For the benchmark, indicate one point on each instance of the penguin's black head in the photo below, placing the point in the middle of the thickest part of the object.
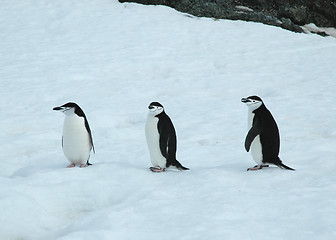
(155, 108)
(253, 101)
(70, 107)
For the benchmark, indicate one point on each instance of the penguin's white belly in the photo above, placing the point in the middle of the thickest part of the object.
(256, 149)
(76, 140)
(153, 142)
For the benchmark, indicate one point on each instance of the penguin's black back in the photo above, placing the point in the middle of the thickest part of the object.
(269, 134)
(168, 142)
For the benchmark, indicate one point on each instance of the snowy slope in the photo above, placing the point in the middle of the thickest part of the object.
(114, 59)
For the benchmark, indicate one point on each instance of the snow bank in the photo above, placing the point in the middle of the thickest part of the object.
(113, 60)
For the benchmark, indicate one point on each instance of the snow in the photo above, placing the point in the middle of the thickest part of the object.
(311, 27)
(113, 60)
(244, 8)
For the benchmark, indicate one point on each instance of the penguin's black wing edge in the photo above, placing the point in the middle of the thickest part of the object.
(90, 134)
(164, 136)
(254, 131)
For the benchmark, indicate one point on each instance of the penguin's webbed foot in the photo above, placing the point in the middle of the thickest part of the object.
(157, 169)
(257, 167)
(71, 165)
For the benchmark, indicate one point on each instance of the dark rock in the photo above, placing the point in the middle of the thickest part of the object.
(288, 14)
(286, 23)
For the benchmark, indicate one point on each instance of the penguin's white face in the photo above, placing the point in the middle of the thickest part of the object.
(252, 102)
(67, 109)
(155, 108)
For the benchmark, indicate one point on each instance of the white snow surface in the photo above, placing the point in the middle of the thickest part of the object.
(114, 59)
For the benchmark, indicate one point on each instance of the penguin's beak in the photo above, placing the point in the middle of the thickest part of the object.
(245, 100)
(57, 108)
(150, 107)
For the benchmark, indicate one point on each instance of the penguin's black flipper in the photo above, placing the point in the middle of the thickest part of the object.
(254, 131)
(164, 140)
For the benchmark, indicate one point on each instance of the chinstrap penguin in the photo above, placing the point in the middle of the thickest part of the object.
(77, 140)
(161, 139)
(263, 136)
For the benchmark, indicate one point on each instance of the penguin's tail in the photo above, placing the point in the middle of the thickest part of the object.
(277, 161)
(183, 168)
(283, 166)
(179, 166)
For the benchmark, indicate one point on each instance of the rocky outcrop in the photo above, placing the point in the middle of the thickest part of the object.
(288, 14)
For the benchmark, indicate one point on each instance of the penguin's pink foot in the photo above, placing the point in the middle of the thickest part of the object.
(71, 165)
(82, 165)
(257, 167)
(157, 169)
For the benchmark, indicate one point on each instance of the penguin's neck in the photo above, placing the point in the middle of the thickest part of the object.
(156, 115)
(72, 122)
(250, 118)
(260, 109)
(69, 112)
(160, 114)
